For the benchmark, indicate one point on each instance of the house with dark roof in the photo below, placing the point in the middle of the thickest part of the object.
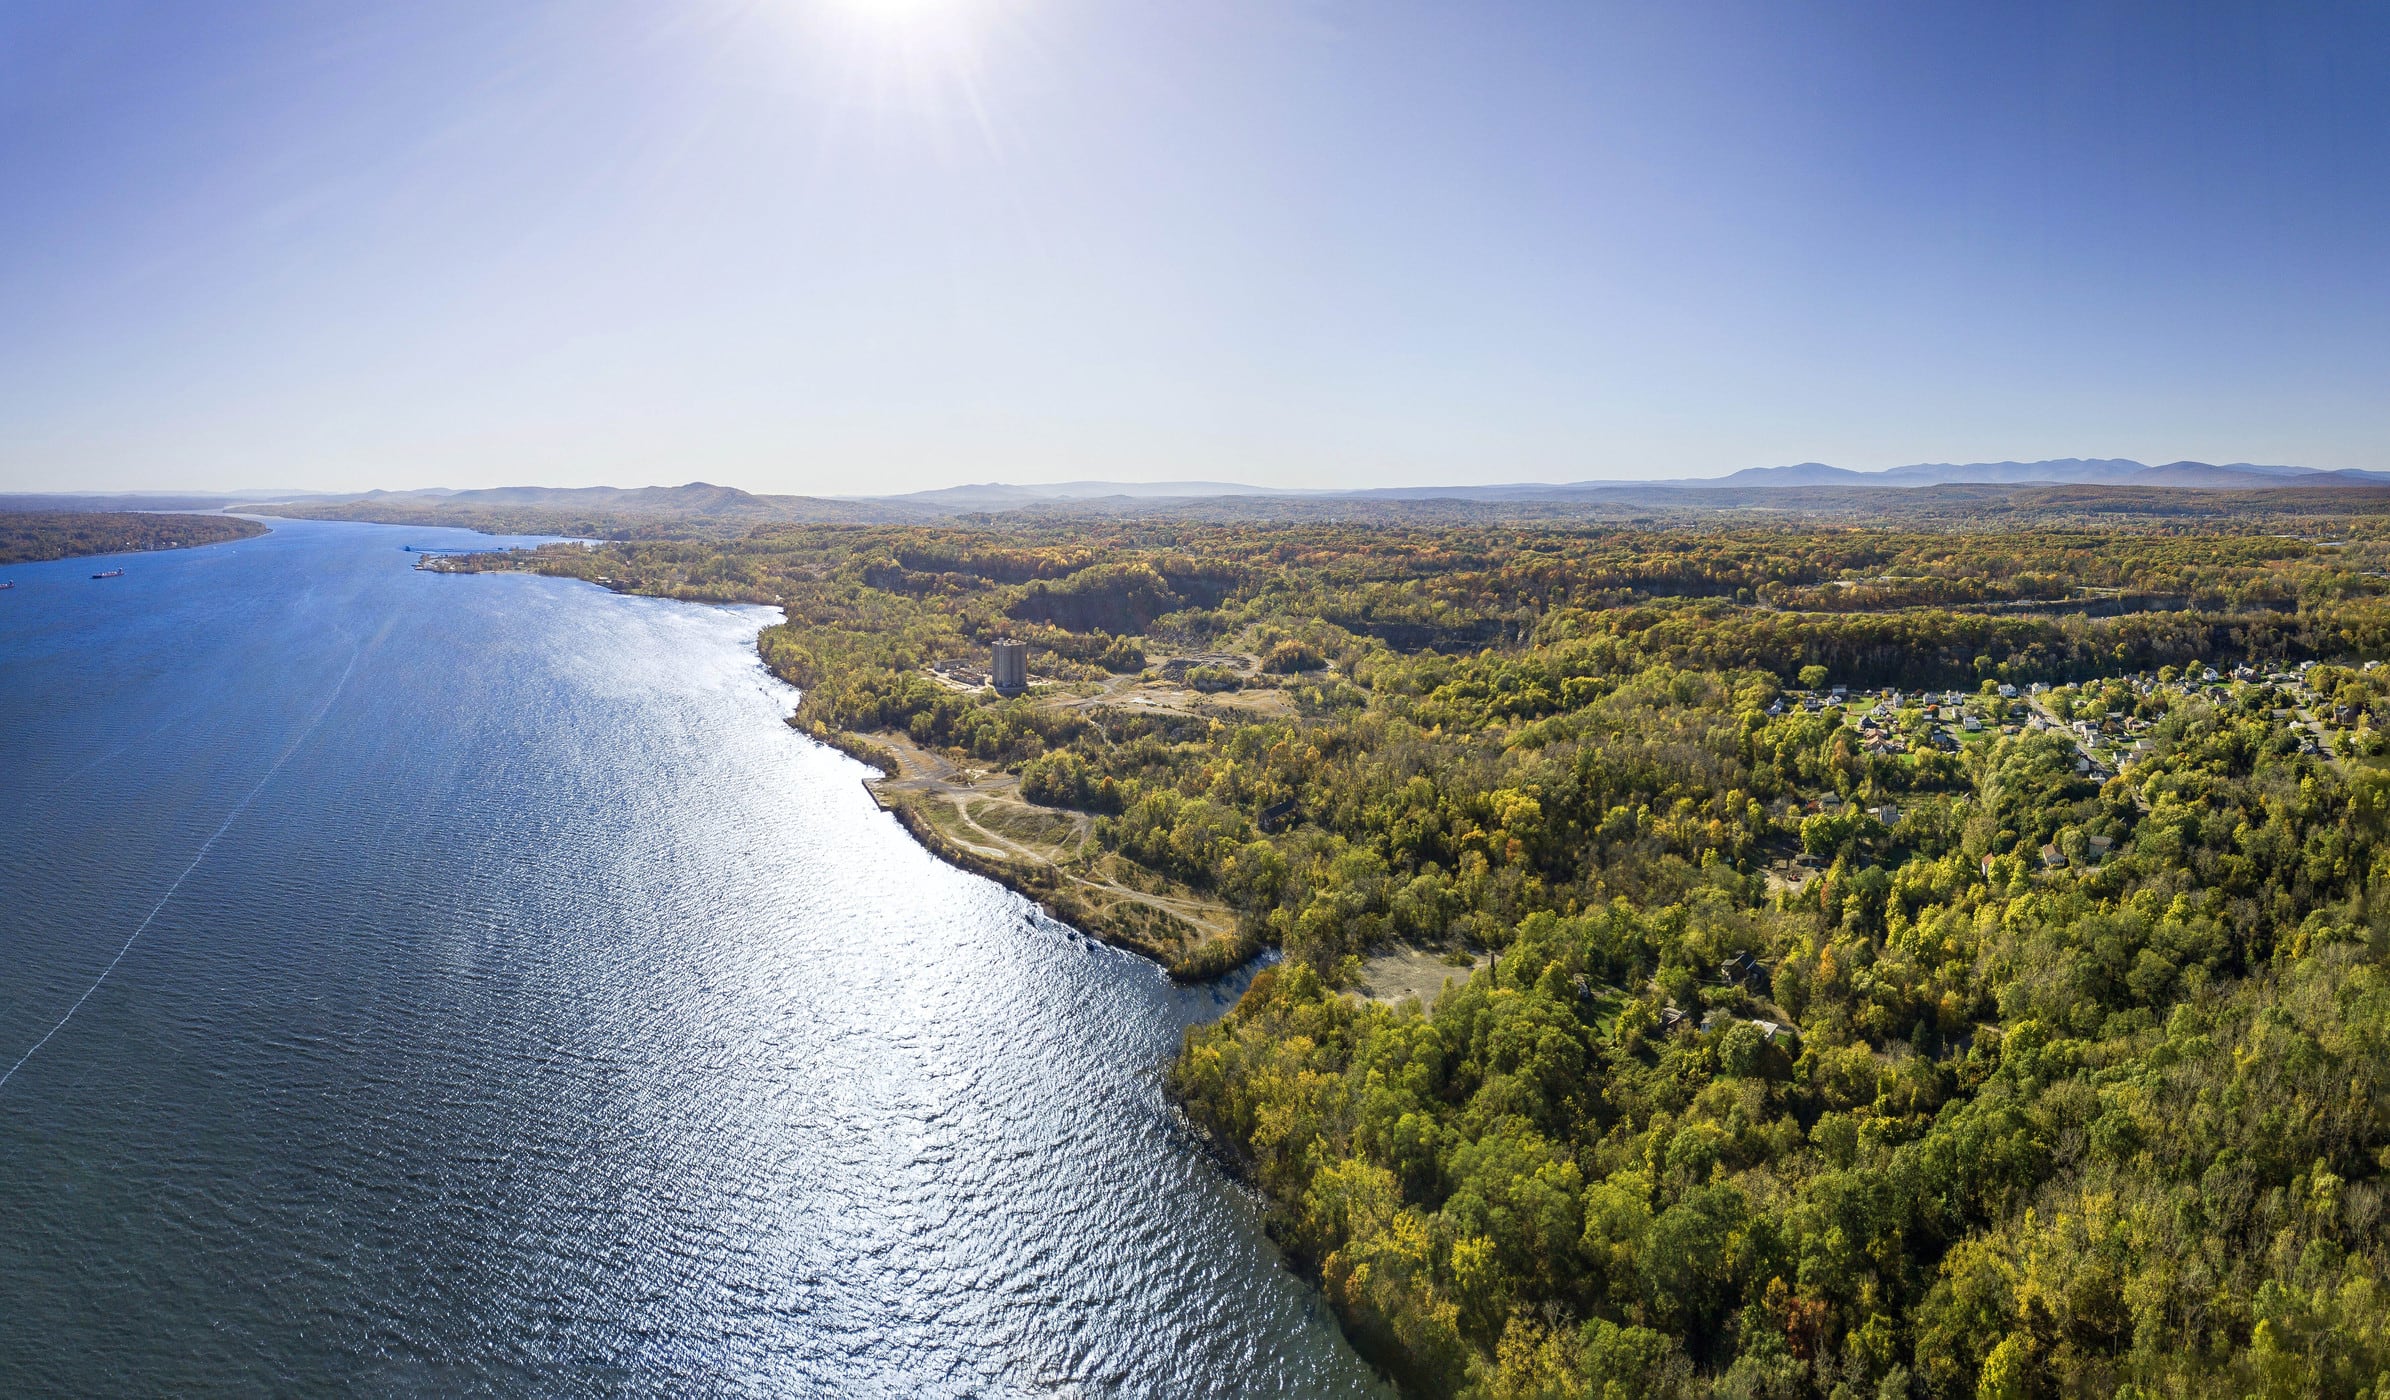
(1744, 970)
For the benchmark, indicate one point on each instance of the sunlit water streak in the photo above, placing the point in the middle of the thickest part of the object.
(552, 1020)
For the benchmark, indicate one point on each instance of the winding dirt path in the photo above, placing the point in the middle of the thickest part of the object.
(964, 798)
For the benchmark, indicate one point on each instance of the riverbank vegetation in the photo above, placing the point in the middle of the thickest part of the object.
(1913, 973)
(29, 537)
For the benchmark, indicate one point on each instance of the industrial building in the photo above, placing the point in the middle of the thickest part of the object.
(1012, 667)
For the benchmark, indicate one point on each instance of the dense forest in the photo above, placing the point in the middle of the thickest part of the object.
(1924, 962)
(28, 537)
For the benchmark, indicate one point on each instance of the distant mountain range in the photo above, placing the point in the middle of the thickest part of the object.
(2064, 471)
(696, 498)
(142, 500)
(1810, 487)
(996, 495)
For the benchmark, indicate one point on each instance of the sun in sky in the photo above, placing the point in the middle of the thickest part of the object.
(905, 15)
(914, 62)
(913, 32)
(1323, 242)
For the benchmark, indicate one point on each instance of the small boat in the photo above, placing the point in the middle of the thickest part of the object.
(112, 573)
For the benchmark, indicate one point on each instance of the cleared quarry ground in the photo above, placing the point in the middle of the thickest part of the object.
(1403, 970)
(978, 818)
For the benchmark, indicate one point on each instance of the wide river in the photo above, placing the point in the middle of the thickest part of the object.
(429, 985)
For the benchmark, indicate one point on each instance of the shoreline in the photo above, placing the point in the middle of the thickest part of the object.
(1047, 891)
(28, 538)
(1044, 883)
(1156, 926)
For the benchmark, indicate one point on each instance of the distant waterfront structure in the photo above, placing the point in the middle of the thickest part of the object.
(1012, 667)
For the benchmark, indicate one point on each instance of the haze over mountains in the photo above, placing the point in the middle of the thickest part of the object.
(2076, 471)
(1801, 486)
(2065, 471)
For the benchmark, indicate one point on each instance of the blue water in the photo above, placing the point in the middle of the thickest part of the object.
(433, 984)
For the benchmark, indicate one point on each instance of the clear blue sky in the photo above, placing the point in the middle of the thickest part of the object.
(866, 245)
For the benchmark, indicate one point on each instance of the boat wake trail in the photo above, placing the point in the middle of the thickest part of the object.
(306, 732)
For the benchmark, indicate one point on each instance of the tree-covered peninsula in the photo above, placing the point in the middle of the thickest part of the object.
(31, 536)
(1882, 962)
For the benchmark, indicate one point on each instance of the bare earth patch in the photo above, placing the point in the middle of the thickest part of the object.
(1407, 971)
(1049, 853)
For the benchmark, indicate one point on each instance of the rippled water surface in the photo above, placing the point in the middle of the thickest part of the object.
(467, 984)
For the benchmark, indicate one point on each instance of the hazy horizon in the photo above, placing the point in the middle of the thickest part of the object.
(1157, 488)
(876, 246)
